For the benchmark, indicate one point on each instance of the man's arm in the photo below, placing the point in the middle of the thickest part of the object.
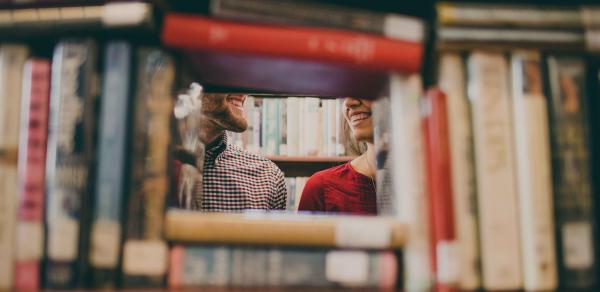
(279, 196)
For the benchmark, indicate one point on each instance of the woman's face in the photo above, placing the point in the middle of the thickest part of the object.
(357, 113)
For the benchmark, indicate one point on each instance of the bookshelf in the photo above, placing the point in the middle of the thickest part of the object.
(277, 76)
(306, 165)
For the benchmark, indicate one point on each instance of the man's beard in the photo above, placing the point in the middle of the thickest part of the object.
(226, 120)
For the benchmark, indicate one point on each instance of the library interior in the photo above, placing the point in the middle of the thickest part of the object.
(299, 145)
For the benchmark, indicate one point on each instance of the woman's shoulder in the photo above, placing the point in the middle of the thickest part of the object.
(336, 171)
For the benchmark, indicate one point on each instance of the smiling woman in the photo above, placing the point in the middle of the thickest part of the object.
(348, 188)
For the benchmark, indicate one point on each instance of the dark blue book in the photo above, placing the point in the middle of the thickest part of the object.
(106, 227)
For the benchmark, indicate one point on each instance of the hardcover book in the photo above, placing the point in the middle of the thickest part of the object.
(410, 201)
(145, 251)
(464, 188)
(275, 267)
(534, 173)
(573, 189)
(12, 59)
(495, 170)
(32, 165)
(192, 32)
(69, 162)
(289, 12)
(435, 125)
(111, 174)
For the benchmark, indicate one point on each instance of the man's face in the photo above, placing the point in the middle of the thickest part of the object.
(225, 110)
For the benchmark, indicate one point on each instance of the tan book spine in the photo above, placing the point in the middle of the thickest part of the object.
(284, 229)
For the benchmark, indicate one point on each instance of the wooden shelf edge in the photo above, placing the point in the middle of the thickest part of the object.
(309, 159)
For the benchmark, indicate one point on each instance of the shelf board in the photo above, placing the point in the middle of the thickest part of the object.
(293, 166)
(311, 159)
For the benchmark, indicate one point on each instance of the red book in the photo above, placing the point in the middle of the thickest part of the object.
(31, 184)
(316, 44)
(285, 75)
(435, 124)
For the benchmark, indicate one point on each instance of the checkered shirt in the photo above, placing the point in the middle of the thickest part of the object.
(235, 180)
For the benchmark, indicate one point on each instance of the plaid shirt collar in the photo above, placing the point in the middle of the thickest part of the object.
(216, 147)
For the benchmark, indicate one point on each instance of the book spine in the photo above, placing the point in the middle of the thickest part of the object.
(435, 122)
(452, 81)
(589, 16)
(346, 48)
(293, 125)
(249, 134)
(145, 250)
(310, 119)
(282, 125)
(410, 202)
(511, 36)
(339, 136)
(271, 126)
(257, 125)
(507, 15)
(331, 120)
(290, 183)
(69, 161)
(496, 186)
(574, 215)
(384, 154)
(224, 266)
(592, 39)
(312, 14)
(36, 21)
(592, 107)
(110, 176)
(32, 163)
(300, 183)
(534, 176)
(12, 60)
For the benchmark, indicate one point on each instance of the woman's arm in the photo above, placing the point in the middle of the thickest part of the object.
(313, 195)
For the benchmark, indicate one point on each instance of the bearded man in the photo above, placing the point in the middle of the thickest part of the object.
(233, 179)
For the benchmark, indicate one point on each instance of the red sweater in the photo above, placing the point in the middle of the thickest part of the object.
(339, 189)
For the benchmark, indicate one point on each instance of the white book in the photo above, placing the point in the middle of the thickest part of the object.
(270, 123)
(310, 126)
(282, 127)
(326, 127)
(451, 80)
(320, 129)
(248, 135)
(534, 175)
(293, 119)
(339, 119)
(409, 201)
(301, 125)
(257, 126)
(300, 183)
(12, 61)
(332, 123)
(494, 163)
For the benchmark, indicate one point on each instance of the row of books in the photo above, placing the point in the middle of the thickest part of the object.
(293, 126)
(294, 185)
(495, 180)
(257, 249)
(68, 163)
(477, 24)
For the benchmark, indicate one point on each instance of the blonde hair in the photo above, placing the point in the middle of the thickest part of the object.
(352, 146)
